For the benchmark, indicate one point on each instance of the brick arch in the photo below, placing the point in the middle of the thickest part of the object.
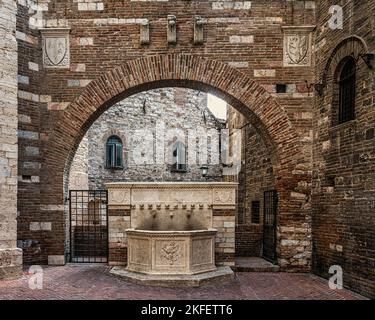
(180, 70)
(350, 46)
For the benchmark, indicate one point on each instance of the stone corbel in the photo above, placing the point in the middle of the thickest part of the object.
(198, 30)
(56, 48)
(144, 31)
(171, 29)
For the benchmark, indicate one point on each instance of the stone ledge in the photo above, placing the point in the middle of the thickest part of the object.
(254, 264)
(222, 274)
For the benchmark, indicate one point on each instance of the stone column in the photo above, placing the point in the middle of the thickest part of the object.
(10, 255)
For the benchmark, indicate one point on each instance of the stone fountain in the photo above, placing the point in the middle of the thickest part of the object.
(171, 233)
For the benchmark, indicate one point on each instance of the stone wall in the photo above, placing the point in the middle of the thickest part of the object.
(176, 109)
(78, 175)
(10, 256)
(343, 199)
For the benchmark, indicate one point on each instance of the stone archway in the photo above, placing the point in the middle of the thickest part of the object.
(179, 70)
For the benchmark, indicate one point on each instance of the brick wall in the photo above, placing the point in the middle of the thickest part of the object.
(344, 155)
(31, 138)
(243, 42)
(245, 38)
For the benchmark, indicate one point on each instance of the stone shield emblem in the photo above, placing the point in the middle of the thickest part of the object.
(56, 51)
(297, 47)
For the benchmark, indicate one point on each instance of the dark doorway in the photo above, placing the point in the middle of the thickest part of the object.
(88, 225)
(269, 225)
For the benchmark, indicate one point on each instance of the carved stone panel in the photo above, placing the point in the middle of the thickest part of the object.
(119, 197)
(170, 253)
(56, 48)
(224, 196)
(139, 252)
(203, 252)
(297, 46)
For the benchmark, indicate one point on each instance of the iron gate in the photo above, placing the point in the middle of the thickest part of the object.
(88, 225)
(269, 225)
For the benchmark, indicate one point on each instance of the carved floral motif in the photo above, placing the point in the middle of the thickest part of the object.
(171, 252)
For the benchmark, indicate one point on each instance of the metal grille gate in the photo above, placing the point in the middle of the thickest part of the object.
(269, 225)
(88, 225)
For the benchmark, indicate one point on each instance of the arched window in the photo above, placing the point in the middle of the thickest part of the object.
(179, 157)
(114, 153)
(347, 83)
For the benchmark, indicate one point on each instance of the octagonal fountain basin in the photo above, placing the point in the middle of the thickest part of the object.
(186, 252)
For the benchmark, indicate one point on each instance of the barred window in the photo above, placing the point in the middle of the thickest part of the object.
(255, 211)
(347, 83)
(114, 153)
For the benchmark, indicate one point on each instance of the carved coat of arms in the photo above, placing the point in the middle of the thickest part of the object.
(119, 197)
(297, 50)
(56, 48)
(56, 51)
(171, 252)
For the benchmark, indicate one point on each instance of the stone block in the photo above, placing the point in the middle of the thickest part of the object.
(56, 260)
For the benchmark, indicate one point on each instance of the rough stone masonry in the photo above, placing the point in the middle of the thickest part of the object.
(10, 255)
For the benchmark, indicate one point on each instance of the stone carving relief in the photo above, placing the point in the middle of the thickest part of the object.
(226, 196)
(171, 252)
(297, 46)
(56, 48)
(296, 49)
(119, 196)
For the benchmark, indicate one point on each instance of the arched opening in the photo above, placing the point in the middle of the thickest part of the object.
(181, 123)
(347, 91)
(266, 117)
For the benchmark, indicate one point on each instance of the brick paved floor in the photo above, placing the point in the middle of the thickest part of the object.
(94, 282)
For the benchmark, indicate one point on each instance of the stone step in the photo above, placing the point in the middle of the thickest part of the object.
(254, 264)
(220, 275)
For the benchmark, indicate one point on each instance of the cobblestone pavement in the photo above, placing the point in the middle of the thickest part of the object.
(94, 282)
